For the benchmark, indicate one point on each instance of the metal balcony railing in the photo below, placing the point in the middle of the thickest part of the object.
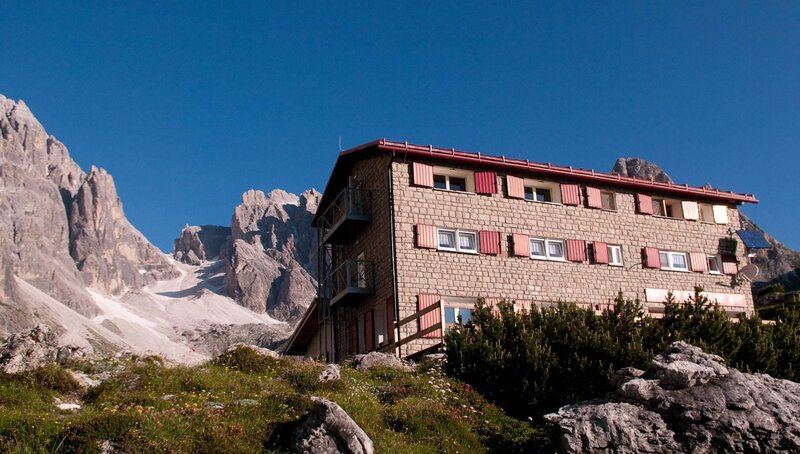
(350, 210)
(350, 282)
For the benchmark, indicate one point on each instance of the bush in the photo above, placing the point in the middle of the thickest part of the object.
(246, 360)
(531, 363)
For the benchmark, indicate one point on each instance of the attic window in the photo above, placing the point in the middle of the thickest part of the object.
(453, 179)
(667, 208)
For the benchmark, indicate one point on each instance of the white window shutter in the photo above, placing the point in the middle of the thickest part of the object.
(720, 214)
(690, 210)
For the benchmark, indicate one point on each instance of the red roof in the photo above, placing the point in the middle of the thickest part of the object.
(545, 169)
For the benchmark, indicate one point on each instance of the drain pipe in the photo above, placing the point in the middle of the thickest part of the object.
(395, 297)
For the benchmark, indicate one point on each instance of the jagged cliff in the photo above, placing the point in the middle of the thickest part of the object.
(270, 253)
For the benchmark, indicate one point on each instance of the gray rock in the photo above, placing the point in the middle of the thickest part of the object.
(687, 401)
(329, 429)
(28, 350)
(258, 350)
(332, 372)
(377, 359)
(639, 168)
(198, 243)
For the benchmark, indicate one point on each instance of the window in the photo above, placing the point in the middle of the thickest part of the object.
(542, 191)
(675, 261)
(546, 249)
(457, 310)
(449, 179)
(615, 255)
(714, 264)
(608, 201)
(667, 208)
(458, 240)
(706, 213)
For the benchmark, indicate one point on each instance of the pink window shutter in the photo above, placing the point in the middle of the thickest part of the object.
(651, 258)
(698, 262)
(489, 242)
(492, 303)
(570, 194)
(593, 198)
(729, 265)
(600, 251)
(576, 250)
(423, 175)
(522, 245)
(485, 183)
(523, 305)
(369, 330)
(516, 187)
(433, 318)
(644, 204)
(426, 236)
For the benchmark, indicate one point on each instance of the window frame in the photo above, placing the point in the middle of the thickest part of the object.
(670, 266)
(706, 213)
(665, 206)
(456, 243)
(611, 261)
(456, 303)
(533, 185)
(612, 197)
(716, 259)
(448, 172)
(546, 243)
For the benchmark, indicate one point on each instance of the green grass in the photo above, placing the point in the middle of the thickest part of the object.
(246, 403)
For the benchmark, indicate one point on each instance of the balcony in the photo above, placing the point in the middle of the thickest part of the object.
(349, 212)
(350, 282)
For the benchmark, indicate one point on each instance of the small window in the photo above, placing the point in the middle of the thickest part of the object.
(458, 240)
(615, 255)
(608, 200)
(675, 261)
(667, 208)
(546, 249)
(714, 266)
(450, 179)
(440, 182)
(457, 310)
(706, 213)
(542, 191)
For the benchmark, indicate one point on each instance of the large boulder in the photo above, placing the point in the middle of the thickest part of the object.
(376, 359)
(328, 429)
(687, 401)
(28, 350)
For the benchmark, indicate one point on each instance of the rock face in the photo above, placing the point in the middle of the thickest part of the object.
(61, 229)
(37, 347)
(270, 253)
(376, 359)
(639, 168)
(687, 401)
(110, 253)
(198, 243)
(329, 429)
(778, 265)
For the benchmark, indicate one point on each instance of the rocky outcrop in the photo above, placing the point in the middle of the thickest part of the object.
(329, 429)
(110, 253)
(687, 401)
(28, 350)
(198, 243)
(639, 168)
(271, 254)
(376, 359)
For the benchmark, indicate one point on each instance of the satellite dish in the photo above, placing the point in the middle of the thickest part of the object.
(749, 271)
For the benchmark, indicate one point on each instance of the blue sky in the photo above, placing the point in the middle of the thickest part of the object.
(189, 104)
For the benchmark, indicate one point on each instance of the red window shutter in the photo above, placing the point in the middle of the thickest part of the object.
(485, 182)
(390, 319)
(593, 198)
(423, 175)
(644, 204)
(489, 242)
(523, 305)
(729, 265)
(516, 187)
(492, 303)
(522, 245)
(354, 337)
(576, 250)
(369, 330)
(698, 261)
(600, 251)
(651, 258)
(433, 318)
(570, 194)
(426, 236)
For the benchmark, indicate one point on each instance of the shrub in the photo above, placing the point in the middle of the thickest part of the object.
(246, 360)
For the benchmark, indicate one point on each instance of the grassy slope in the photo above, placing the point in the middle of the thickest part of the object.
(246, 403)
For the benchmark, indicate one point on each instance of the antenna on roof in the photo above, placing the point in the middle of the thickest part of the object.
(340, 144)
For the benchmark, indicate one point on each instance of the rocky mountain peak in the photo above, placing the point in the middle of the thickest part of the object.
(640, 168)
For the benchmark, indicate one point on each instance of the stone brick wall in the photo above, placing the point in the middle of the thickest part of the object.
(509, 277)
